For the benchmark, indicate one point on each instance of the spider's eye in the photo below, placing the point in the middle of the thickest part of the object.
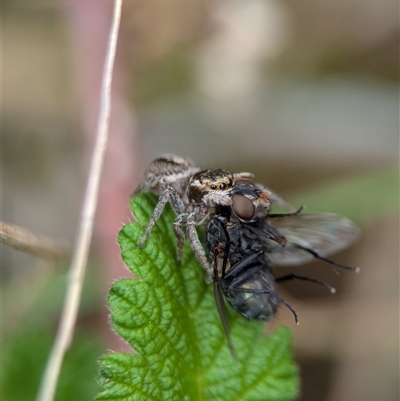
(222, 186)
(243, 207)
(213, 186)
(200, 181)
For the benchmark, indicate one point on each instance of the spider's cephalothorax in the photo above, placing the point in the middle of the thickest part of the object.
(193, 194)
(210, 187)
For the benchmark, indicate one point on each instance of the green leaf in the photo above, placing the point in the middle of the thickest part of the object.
(169, 317)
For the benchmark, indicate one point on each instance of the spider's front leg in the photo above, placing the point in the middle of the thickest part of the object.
(217, 198)
(243, 176)
(179, 222)
(199, 250)
(168, 194)
(191, 221)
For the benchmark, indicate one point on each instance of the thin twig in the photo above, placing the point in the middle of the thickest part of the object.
(84, 235)
(26, 241)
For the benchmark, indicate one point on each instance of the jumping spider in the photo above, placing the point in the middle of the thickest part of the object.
(193, 194)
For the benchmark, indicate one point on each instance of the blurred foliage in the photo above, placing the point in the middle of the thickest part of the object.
(26, 347)
(364, 199)
(25, 359)
(170, 76)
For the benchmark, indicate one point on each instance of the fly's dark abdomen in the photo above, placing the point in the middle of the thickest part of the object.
(254, 296)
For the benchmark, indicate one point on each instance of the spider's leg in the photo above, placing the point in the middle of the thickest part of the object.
(168, 194)
(198, 248)
(180, 235)
(244, 175)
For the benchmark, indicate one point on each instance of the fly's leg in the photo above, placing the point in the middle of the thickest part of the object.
(313, 280)
(290, 214)
(320, 257)
(168, 194)
(199, 250)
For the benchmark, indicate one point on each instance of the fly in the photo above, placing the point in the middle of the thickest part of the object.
(246, 241)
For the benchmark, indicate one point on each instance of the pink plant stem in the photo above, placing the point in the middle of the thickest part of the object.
(88, 22)
(81, 250)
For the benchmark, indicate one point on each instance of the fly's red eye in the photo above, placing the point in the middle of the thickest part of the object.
(243, 207)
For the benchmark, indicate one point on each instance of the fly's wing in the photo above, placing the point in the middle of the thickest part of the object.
(323, 233)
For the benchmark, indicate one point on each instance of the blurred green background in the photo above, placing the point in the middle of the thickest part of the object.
(304, 95)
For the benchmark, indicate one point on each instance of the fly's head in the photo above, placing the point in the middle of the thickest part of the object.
(249, 201)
